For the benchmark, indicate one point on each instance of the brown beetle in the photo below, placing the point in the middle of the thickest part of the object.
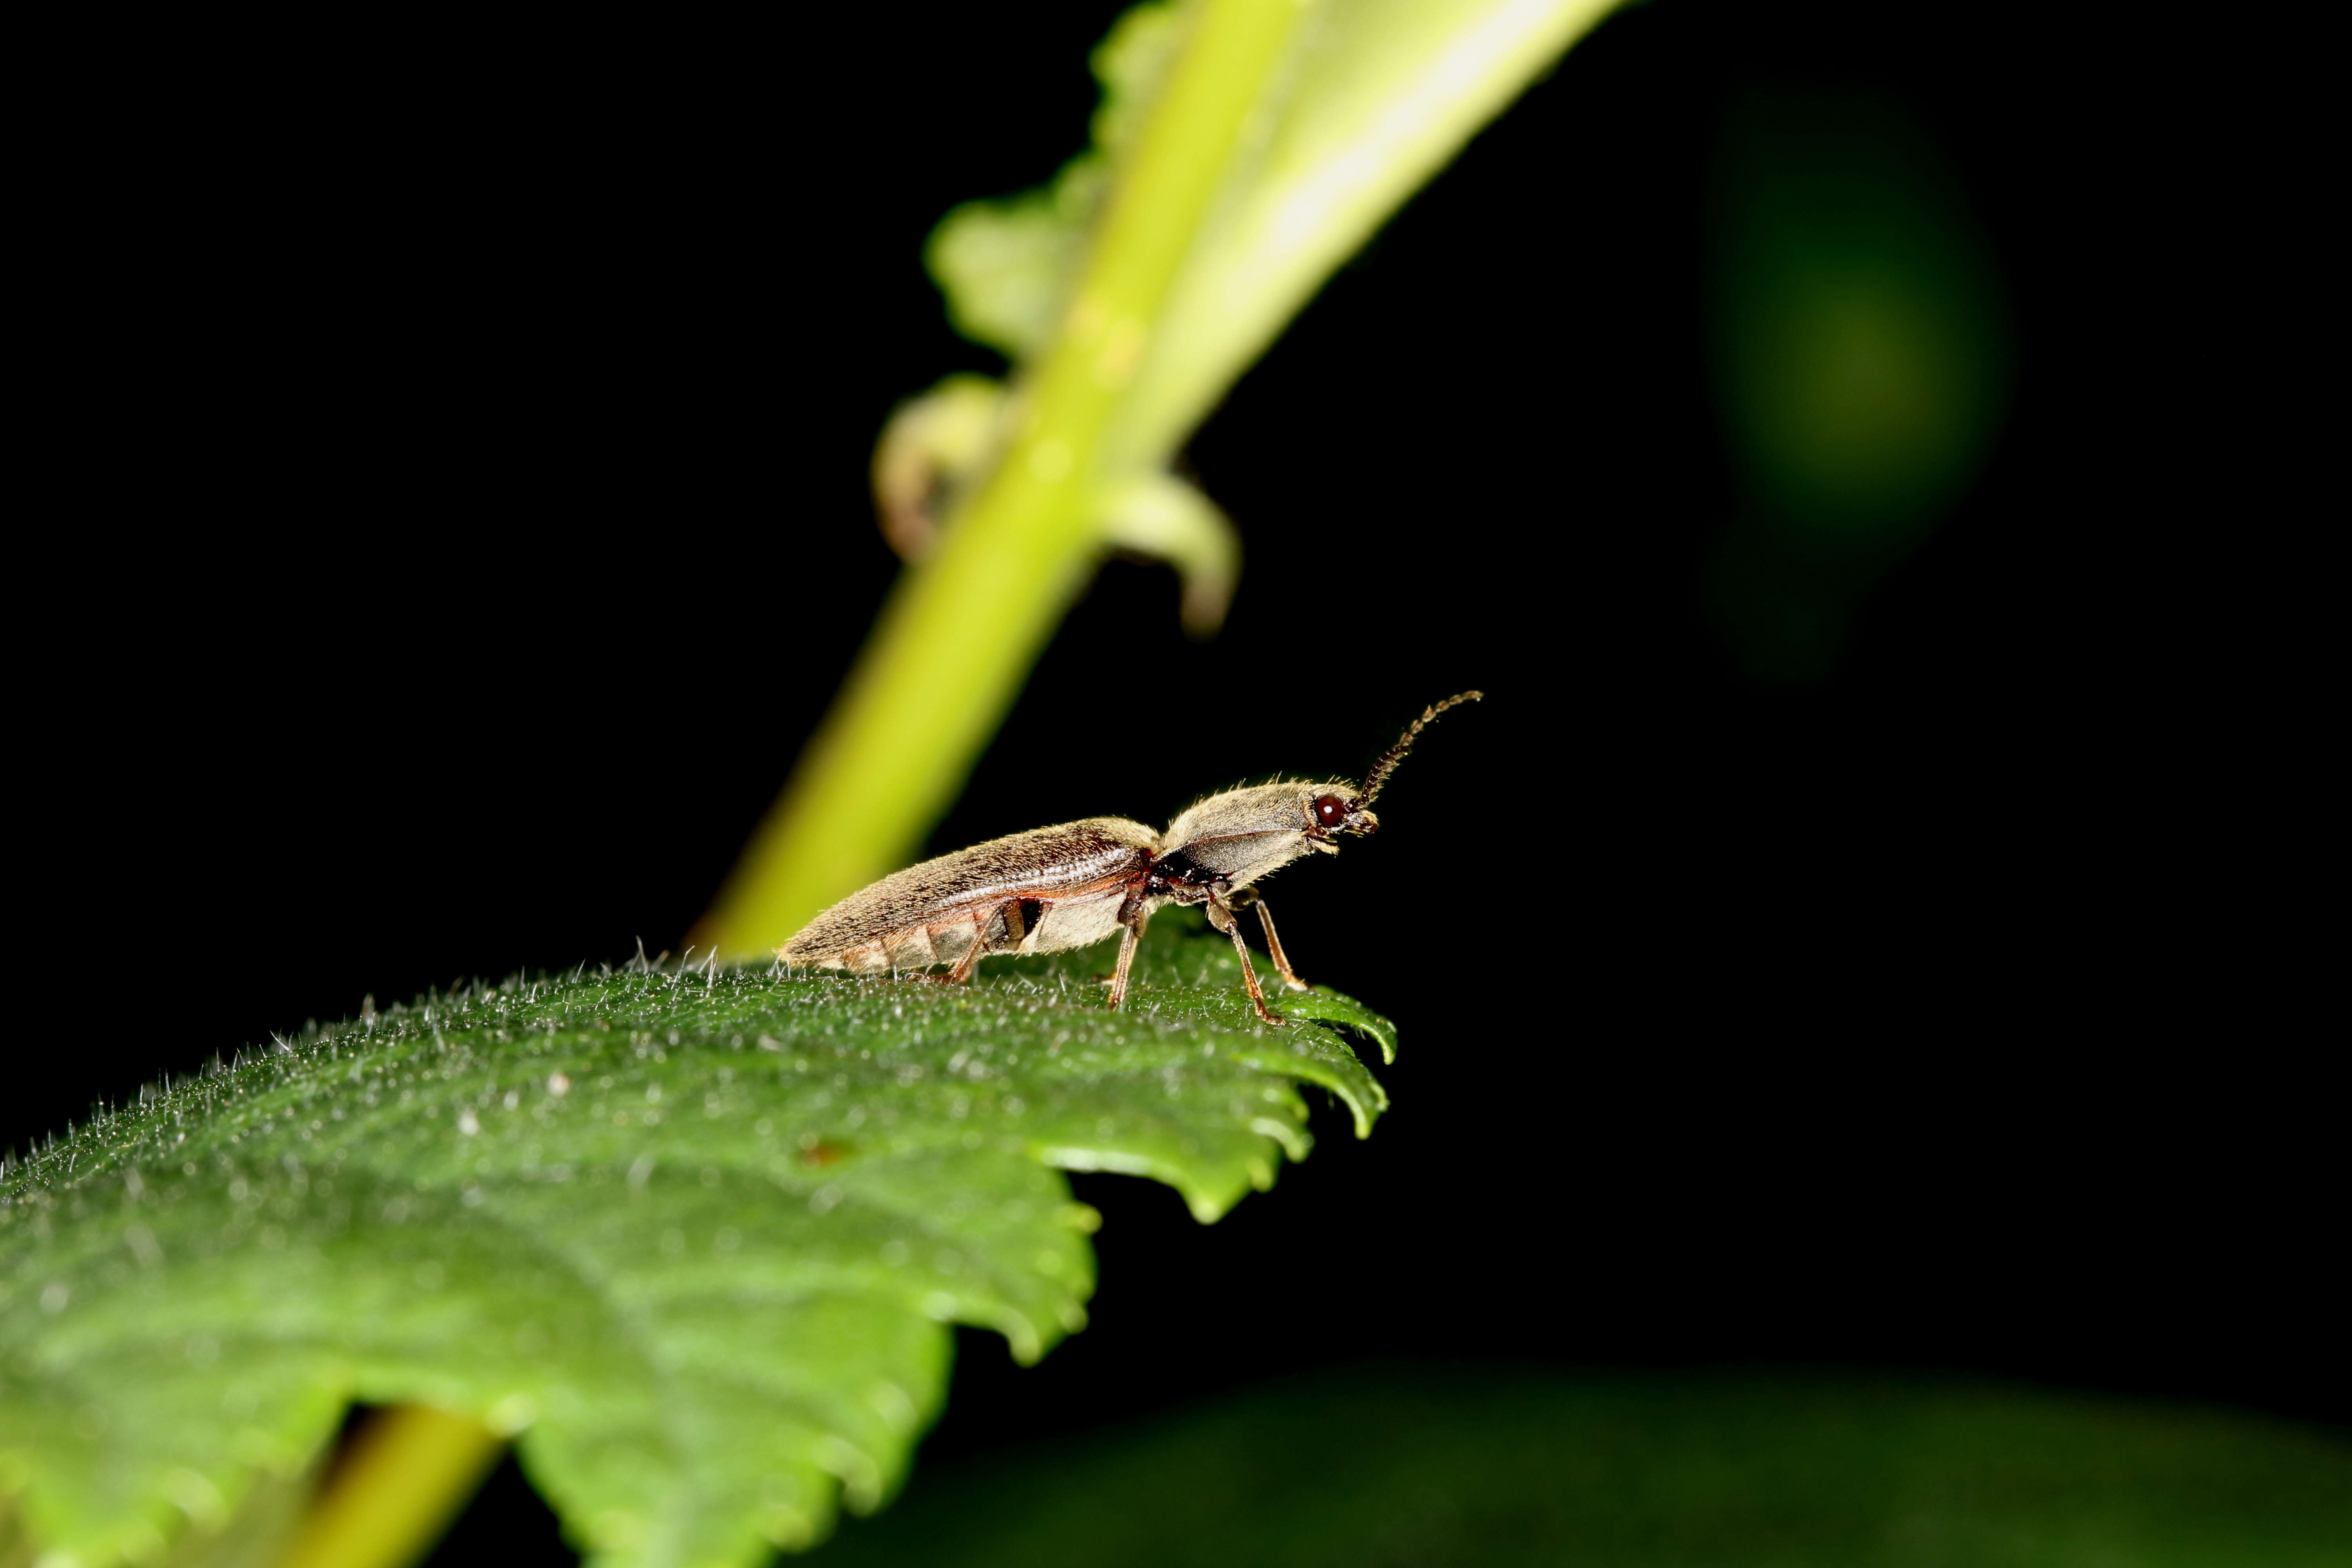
(1073, 886)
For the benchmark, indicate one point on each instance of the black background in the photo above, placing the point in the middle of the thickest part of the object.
(464, 521)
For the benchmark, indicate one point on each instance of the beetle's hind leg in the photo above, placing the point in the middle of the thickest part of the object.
(971, 959)
(1249, 898)
(1132, 920)
(1221, 916)
(962, 972)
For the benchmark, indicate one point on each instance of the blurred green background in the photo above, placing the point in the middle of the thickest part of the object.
(1422, 1467)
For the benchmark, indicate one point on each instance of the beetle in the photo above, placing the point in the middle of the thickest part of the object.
(1075, 885)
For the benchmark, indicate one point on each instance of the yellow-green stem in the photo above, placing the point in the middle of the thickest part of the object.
(409, 1471)
(962, 630)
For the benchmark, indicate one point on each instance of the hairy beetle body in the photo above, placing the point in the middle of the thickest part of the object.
(1040, 892)
(1082, 882)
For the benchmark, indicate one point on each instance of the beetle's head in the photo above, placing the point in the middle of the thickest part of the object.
(1336, 808)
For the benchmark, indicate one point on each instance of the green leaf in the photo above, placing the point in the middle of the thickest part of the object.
(695, 1233)
(1437, 1468)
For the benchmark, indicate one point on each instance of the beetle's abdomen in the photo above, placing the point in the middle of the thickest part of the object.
(1062, 887)
(1079, 922)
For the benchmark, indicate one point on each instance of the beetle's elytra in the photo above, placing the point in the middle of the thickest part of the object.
(1075, 885)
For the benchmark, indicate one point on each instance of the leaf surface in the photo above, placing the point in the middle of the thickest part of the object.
(696, 1236)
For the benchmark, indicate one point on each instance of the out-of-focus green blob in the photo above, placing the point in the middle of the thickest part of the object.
(1862, 360)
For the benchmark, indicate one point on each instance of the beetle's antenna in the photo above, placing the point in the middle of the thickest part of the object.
(1378, 777)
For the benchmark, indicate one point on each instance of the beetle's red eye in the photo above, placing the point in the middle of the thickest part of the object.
(1329, 809)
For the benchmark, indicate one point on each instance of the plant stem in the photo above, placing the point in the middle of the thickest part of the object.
(962, 630)
(409, 1472)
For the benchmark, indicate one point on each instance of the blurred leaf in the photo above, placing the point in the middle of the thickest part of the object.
(696, 1235)
(1007, 266)
(1417, 1469)
(1371, 99)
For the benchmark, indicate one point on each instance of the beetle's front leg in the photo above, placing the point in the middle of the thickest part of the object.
(1221, 915)
(1249, 898)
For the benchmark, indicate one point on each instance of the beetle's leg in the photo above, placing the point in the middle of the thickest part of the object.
(962, 972)
(1222, 917)
(1132, 934)
(1250, 899)
(1274, 949)
(971, 959)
